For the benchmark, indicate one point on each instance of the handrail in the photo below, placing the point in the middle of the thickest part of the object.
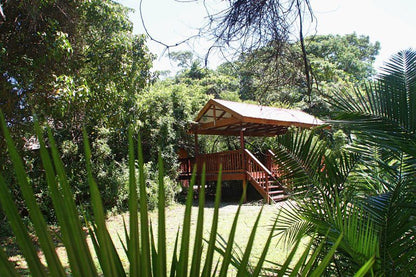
(259, 173)
(231, 161)
(258, 162)
(227, 152)
(269, 159)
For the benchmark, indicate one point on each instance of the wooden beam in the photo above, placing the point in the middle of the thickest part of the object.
(219, 107)
(219, 123)
(235, 133)
(204, 110)
(222, 114)
(277, 122)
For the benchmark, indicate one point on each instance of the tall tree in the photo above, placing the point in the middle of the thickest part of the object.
(57, 56)
(75, 65)
(252, 25)
(35, 48)
(275, 74)
(351, 55)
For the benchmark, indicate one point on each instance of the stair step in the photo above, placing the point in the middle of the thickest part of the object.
(271, 183)
(275, 187)
(279, 198)
(276, 192)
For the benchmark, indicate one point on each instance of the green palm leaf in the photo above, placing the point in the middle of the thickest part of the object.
(384, 113)
(383, 119)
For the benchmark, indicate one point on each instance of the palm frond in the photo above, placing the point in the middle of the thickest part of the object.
(384, 113)
(396, 217)
(299, 154)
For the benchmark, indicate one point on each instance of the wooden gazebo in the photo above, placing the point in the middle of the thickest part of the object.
(220, 117)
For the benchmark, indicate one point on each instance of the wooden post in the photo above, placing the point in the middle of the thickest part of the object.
(244, 163)
(242, 138)
(267, 188)
(242, 146)
(214, 113)
(196, 162)
(245, 190)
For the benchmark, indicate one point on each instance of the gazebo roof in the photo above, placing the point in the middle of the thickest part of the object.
(220, 117)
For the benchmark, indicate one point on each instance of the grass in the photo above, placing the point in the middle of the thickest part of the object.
(174, 218)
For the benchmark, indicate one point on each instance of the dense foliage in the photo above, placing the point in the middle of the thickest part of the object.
(75, 65)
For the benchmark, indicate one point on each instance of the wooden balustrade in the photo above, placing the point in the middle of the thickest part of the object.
(231, 161)
(258, 173)
(255, 164)
(271, 165)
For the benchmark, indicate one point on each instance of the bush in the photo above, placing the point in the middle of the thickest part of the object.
(152, 187)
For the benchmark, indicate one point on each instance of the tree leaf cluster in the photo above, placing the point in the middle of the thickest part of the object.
(71, 64)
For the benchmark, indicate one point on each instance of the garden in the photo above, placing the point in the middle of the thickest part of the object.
(90, 137)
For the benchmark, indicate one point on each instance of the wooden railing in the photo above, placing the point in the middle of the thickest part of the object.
(278, 171)
(258, 173)
(271, 165)
(231, 161)
(236, 165)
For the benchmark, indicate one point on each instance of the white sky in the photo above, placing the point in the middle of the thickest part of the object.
(392, 23)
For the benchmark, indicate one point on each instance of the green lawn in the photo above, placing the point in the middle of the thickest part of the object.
(248, 214)
(174, 218)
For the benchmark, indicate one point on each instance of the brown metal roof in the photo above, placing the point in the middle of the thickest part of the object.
(220, 117)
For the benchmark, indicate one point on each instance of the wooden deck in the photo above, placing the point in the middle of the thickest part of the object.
(238, 165)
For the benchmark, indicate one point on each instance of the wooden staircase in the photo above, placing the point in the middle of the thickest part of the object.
(263, 179)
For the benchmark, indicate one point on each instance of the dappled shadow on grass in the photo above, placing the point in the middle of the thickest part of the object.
(174, 219)
(12, 250)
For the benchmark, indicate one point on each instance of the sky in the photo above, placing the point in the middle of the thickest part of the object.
(392, 23)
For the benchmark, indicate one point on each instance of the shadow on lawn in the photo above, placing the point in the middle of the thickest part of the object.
(12, 250)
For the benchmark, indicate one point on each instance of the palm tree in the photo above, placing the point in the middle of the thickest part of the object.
(366, 191)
